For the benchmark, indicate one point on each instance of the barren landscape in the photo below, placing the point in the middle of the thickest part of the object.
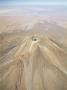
(33, 53)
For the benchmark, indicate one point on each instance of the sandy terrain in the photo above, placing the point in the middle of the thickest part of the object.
(33, 54)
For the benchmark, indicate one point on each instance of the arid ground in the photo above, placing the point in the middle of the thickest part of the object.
(33, 53)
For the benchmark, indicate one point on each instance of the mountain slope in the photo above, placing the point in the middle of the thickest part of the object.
(36, 64)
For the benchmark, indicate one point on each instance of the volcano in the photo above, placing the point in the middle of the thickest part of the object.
(37, 63)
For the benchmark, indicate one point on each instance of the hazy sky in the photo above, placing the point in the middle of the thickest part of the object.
(32, 1)
(35, 0)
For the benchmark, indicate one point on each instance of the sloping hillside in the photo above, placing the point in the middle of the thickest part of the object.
(37, 63)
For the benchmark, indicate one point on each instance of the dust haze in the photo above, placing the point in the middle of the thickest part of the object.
(33, 48)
